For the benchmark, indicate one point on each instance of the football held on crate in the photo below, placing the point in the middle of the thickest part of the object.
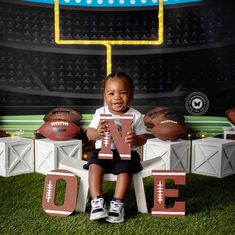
(70, 195)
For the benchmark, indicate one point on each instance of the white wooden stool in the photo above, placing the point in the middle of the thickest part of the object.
(16, 156)
(175, 155)
(76, 166)
(213, 157)
(48, 153)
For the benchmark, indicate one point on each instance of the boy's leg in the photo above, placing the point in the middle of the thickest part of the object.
(95, 178)
(122, 185)
(116, 210)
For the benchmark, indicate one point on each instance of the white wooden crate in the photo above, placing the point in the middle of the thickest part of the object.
(175, 155)
(213, 157)
(16, 156)
(49, 153)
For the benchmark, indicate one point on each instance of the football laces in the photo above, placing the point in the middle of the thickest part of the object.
(168, 121)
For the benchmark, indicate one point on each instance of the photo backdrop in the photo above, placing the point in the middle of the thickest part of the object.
(197, 54)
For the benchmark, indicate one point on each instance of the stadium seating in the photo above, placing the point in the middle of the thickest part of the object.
(198, 51)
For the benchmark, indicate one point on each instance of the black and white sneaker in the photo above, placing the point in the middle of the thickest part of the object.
(98, 210)
(116, 212)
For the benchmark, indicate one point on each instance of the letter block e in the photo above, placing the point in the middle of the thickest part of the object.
(160, 193)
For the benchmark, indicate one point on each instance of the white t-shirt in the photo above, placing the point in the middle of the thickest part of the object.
(137, 126)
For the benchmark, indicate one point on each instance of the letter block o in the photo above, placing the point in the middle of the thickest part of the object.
(48, 202)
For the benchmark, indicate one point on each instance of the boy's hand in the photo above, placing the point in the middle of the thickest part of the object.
(102, 128)
(131, 139)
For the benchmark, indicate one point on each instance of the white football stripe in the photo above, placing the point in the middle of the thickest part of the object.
(127, 117)
(105, 154)
(167, 213)
(58, 212)
(60, 173)
(125, 155)
(104, 117)
(168, 173)
(120, 117)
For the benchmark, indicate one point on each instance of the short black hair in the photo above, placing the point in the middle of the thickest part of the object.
(120, 75)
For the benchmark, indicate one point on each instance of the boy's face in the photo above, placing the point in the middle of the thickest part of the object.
(117, 95)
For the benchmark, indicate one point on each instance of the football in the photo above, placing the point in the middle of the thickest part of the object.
(160, 113)
(59, 130)
(230, 114)
(157, 114)
(63, 113)
(169, 130)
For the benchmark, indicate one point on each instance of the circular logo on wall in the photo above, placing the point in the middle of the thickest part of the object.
(197, 103)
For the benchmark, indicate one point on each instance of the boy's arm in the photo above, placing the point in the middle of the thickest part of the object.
(136, 140)
(94, 134)
(140, 140)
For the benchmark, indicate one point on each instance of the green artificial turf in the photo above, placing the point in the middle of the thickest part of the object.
(210, 204)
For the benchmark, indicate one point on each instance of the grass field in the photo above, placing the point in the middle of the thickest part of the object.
(210, 204)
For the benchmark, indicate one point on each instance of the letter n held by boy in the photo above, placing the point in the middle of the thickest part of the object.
(123, 148)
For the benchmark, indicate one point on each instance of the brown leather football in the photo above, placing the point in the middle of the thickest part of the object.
(230, 114)
(169, 130)
(155, 116)
(63, 113)
(160, 113)
(59, 130)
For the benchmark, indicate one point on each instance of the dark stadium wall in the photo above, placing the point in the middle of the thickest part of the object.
(197, 55)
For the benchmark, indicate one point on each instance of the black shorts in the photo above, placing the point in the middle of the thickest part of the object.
(116, 165)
